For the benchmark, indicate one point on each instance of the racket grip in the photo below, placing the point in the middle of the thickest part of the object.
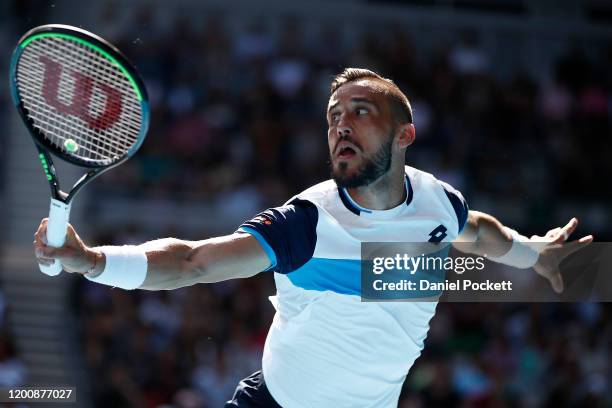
(59, 213)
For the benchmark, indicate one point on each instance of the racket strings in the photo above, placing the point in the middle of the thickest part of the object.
(51, 118)
(54, 128)
(72, 66)
(55, 124)
(92, 148)
(102, 71)
(75, 94)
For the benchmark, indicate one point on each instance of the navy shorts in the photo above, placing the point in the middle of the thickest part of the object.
(252, 393)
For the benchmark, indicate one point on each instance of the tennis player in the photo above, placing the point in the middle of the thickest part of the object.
(327, 348)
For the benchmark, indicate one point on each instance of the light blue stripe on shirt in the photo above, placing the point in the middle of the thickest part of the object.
(264, 244)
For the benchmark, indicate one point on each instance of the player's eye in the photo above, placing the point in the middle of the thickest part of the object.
(335, 116)
(361, 111)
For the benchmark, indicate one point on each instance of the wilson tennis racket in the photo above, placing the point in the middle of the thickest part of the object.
(81, 100)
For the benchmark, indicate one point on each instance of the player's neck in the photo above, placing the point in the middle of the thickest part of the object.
(385, 193)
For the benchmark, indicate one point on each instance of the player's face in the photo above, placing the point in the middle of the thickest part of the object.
(360, 134)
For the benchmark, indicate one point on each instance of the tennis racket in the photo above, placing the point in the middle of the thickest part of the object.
(81, 100)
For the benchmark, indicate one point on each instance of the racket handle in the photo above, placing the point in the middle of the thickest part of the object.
(59, 213)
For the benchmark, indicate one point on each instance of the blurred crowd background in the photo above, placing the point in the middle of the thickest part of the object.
(238, 125)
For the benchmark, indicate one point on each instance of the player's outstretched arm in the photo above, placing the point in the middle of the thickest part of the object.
(174, 263)
(168, 263)
(483, 235)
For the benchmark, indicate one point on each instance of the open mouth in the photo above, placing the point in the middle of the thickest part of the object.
(346, 150)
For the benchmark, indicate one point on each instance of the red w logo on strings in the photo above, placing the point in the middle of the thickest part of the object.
(81, 97)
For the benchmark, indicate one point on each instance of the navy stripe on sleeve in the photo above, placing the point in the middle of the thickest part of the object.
(459, 204)
(289, 231)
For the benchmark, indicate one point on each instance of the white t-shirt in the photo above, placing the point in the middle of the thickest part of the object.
(327, 348)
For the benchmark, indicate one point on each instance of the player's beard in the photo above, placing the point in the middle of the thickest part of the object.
(372, 168)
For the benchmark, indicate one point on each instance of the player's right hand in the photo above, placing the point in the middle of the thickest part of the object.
(74, 256)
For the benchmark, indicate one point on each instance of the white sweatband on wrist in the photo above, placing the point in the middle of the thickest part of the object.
(523, 254)
(126, 267)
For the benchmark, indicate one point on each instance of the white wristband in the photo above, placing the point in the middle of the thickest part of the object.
(126, 267)
(523, 254)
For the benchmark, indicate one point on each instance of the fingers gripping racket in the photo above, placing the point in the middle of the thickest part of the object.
(81, 100)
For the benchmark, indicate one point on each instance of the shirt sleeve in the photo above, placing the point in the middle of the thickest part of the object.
(288, 234)
(459, 204)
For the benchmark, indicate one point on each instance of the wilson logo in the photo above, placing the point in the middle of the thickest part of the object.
(81, 97)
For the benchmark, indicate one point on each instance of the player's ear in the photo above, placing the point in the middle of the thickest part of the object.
(406, 135)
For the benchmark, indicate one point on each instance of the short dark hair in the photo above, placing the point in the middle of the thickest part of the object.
(400, 106)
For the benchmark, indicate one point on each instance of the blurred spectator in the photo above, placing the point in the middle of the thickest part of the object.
(12, 369)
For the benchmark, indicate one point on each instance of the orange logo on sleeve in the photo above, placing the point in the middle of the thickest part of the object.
(262, 219)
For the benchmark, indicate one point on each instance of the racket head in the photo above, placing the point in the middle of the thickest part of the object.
(79, 96)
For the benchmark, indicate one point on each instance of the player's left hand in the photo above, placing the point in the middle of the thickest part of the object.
(555, 249)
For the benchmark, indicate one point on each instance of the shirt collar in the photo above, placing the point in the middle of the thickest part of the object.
(353, 207)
